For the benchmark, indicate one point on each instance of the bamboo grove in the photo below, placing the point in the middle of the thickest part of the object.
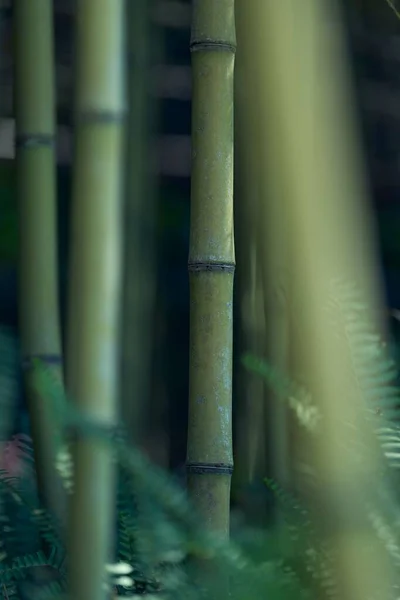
(300, 223)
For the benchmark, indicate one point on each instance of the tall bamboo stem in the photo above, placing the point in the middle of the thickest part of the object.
(263, 212)
(249, 428)
(92, 357)
(211, 262)
(36, 191)
(139, 224)
(299, 58)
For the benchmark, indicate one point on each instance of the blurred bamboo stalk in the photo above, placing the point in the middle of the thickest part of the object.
(249, 438)
(139, 225)
(211, 262)
(265, 233)
(94, 301)
(307, 116)
(36, 191)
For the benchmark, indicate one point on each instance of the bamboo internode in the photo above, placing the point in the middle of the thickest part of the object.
(93, 320)
(211, 262)
(36, 190)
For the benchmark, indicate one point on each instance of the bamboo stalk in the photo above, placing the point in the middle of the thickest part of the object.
(139, 224)
(92, 345)
(263, 213)
(36, 192)
(249, 429)
(211, 262)
(299, 57)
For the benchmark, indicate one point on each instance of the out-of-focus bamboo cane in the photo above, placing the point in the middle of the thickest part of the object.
(249, 414)
(307, 112)
(36, 191)
(139, 224)
(267, 236)
(94, 302)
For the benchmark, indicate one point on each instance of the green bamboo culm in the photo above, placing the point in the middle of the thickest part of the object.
(211, 262)
(139, 224)
(310, 138)
(36, 192)
(95, 273)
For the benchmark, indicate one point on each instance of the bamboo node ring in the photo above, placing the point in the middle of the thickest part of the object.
(105, 117)
(33, 140)
(209, 468)
(48, 359)
(210, 266)
(212, 46)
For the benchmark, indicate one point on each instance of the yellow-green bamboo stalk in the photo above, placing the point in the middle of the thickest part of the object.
(36, 190)
(299, 56)
(139, 225)
(262, 203)
(92, 345)
(211, 262)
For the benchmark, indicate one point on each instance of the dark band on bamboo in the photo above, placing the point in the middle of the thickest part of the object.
(204, 266)
(209, 468)
(49, 360)
(106, 117)
(96, 429)
(34, 140)
(212, 46)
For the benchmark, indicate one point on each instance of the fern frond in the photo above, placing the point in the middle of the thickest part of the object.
(297, 396)
(375, 375)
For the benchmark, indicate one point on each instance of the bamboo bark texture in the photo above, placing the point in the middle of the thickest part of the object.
(211, 262)
(93, 318)
(36, 192)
